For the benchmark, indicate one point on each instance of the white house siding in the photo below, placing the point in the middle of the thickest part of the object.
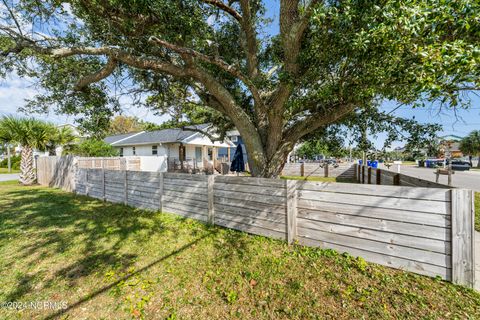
(143, 150)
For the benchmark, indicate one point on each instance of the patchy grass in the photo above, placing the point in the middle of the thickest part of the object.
(110, 261)
(321, 179)
(477, 211)
(5, 170)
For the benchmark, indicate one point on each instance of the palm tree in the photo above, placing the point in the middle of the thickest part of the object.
(30, 134)
(60, 137)
(470, 145)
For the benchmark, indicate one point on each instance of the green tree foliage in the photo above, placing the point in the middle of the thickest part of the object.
(15, 162)
(93, 148)
(123, 124)
(470, 145)
(360, 129)
(60, 136)
(216, 60)
(30, 134)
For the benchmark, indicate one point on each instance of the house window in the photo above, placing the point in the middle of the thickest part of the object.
(234, 138)
(133, 151)
(154, 150)
(121, 152)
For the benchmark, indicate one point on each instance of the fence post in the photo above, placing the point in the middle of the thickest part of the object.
(379, 176)
(160, 190)
(302, 169)
(211, 208)
(326, 170)
(87, 186)
(396, 179)
(463, 237)
(291, 186)
(125, 186)
(369, 175)
(363, 174)
(103, 179)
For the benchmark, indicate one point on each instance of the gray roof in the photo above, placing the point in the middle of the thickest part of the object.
(117, 137)
(158, 136)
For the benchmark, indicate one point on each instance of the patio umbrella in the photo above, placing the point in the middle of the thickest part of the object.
(237, 163)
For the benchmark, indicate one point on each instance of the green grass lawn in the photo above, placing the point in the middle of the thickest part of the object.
(110, 261)
(5, 170)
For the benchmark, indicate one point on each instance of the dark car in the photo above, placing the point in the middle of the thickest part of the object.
(459, 165)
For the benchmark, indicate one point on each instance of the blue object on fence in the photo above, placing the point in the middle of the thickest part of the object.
(374, 164)
(369, 163)
(238, 165)
(360, 162)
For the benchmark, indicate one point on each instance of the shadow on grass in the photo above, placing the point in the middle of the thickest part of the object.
(42, 225)
(92, 295)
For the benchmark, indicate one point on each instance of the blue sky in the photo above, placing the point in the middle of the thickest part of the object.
(14, 90)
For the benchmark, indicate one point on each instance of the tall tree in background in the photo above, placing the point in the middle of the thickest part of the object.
(470, 145)
(123, 124)
(329, 59)
(30, 134)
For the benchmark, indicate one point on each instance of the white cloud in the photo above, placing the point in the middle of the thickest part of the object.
(14, 90)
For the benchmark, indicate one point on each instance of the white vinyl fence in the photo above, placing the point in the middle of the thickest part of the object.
(424, 230)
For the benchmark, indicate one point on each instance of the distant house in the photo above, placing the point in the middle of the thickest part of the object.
(174, 148)
(450, 146)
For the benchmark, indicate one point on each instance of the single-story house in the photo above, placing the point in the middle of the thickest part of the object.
(179, 148)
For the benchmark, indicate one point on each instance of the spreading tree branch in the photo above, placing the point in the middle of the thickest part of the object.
(213, 60)
(97, 76)
(222, 6)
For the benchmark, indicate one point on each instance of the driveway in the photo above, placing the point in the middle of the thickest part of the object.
(461, 179)
(9, 176)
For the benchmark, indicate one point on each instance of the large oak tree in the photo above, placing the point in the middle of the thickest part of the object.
(328, 59)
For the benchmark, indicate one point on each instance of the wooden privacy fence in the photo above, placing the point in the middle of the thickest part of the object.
(369, 175)
(58, 172)
(424, 230)
(346, 171)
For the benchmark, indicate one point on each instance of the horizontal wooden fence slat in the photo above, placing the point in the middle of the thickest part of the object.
(413, 241)
(260, 206)
(386, 260)
(384, 191)
(263, 182)
(173, 187)
(434, 258)
(250, 197)
(380, 213)
(394, 227)
(419, 205)
(251, 229)
(403, 227)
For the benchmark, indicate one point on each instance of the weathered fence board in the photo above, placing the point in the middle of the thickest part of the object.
(423, 230)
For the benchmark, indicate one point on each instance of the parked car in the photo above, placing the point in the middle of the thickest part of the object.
(460, 165)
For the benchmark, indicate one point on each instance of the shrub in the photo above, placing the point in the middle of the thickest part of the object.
(92, 148)
(15, 160)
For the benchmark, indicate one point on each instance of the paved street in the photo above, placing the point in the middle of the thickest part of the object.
(9, 176)
(461, 179)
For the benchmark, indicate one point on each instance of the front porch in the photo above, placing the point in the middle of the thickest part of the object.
(198, 159)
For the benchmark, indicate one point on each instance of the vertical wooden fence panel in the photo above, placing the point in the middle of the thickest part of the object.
(463, 237)
(291, 186)
(211, 208)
